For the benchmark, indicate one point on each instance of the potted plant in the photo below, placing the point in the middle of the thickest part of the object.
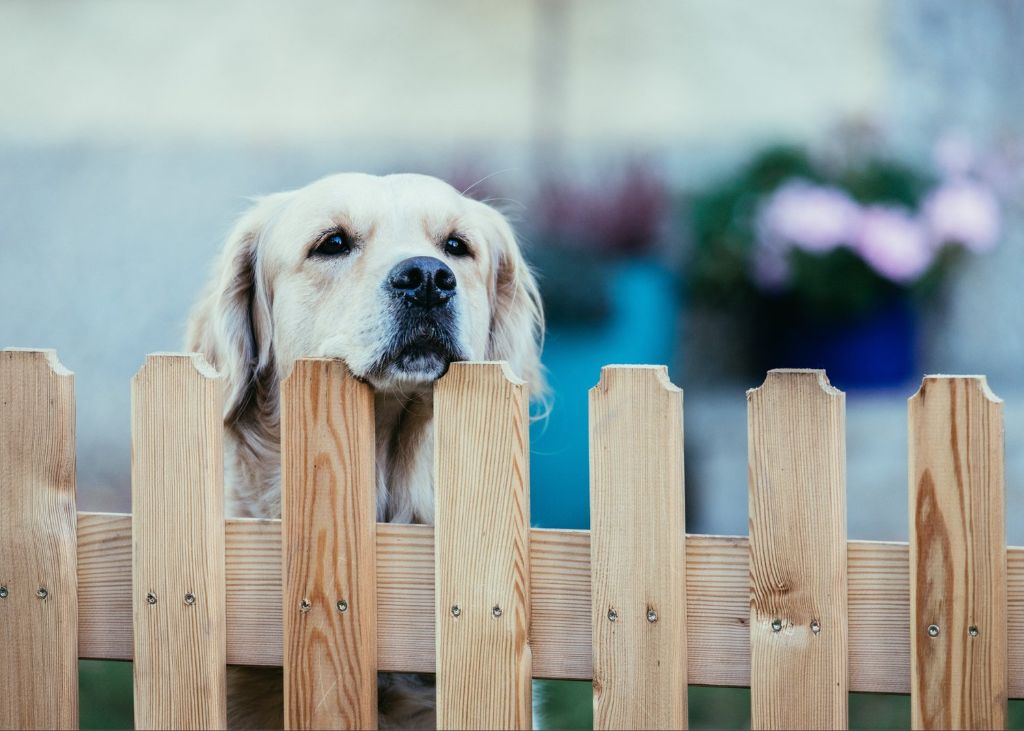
(829, 260)
(608, 298)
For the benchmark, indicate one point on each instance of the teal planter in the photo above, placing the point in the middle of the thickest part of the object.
(641, 328)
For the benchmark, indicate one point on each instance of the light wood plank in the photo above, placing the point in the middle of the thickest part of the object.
(957, 555)
(178, 544)
(718, 602)
(638, 550)
(329, 520)
(38, 573)
(482, 539)
(798, 561)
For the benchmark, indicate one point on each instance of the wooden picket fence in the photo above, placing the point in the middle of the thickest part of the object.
(796, 612)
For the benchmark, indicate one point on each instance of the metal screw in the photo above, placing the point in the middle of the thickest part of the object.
(342, 605)
(496, 611)
(933, 630)
(815, 627)
(456, 610)
(612, 615)
(972, 631)
(3, 592)
(776, 625)
(190, 598)
(305, 605)
(151, 598)
(42, 593)
(652, 616)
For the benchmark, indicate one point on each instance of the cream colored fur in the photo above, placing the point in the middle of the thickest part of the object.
(270, 303)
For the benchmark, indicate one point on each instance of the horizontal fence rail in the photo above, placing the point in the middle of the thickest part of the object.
(717, 583)
(797, 612)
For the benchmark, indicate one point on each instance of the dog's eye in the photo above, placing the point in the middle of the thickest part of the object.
(456, 246)
(335, 244)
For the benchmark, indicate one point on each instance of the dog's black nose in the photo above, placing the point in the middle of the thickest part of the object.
(423, 281)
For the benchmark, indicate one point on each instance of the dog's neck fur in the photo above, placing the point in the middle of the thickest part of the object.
(404, 453)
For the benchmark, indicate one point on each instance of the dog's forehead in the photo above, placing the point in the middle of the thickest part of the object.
(371, 202)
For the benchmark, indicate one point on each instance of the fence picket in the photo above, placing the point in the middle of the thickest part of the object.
(798, 552)
(638, 550)
(957, 556)
(482, 534)
(178, 544)
(329, 494)
(38, 554)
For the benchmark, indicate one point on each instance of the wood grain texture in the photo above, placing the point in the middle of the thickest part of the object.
(957, 555)
(638, 550)
(718, 602)
(482, 540)
(329, 521)
(38, 573)
(178, 544)
(798, 560)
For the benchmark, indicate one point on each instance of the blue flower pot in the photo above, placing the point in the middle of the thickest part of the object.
(878, 350)
(640, 329)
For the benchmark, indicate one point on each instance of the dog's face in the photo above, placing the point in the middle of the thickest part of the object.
(397, 275)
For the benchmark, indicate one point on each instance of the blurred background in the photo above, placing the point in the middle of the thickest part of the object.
(722, 187)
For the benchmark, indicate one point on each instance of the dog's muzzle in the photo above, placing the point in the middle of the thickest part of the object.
(423, 291)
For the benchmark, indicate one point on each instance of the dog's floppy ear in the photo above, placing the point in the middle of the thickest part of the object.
(517, 316)
(232, 324)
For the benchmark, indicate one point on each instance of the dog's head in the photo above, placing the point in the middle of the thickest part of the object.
(397, 275)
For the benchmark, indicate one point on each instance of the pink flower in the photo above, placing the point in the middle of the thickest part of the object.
(894, 243)
(771, 268)
(963, 212)
(954, 154)
(814, 218)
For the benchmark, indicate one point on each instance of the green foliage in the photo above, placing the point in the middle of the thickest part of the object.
(831, 285)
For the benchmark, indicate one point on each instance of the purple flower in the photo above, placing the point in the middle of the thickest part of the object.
(894, 243)
(771, 268)
(963, 212)
(954, 154)
(814, 218)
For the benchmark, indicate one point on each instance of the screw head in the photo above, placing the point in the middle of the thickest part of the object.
(342, 605)
(42, 593)
(815, 626)
(933, 630)
(456, 610)
(305, 605)
(3, 592)
(612, 615)
(652, 616)
(190, 599)
(973, 631)
(151, 598)
(496, 611)
(776, 625)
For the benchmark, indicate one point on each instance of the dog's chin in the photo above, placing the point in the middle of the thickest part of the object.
(415, 366)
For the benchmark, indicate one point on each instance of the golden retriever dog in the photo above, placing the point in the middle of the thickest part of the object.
(398, 276)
